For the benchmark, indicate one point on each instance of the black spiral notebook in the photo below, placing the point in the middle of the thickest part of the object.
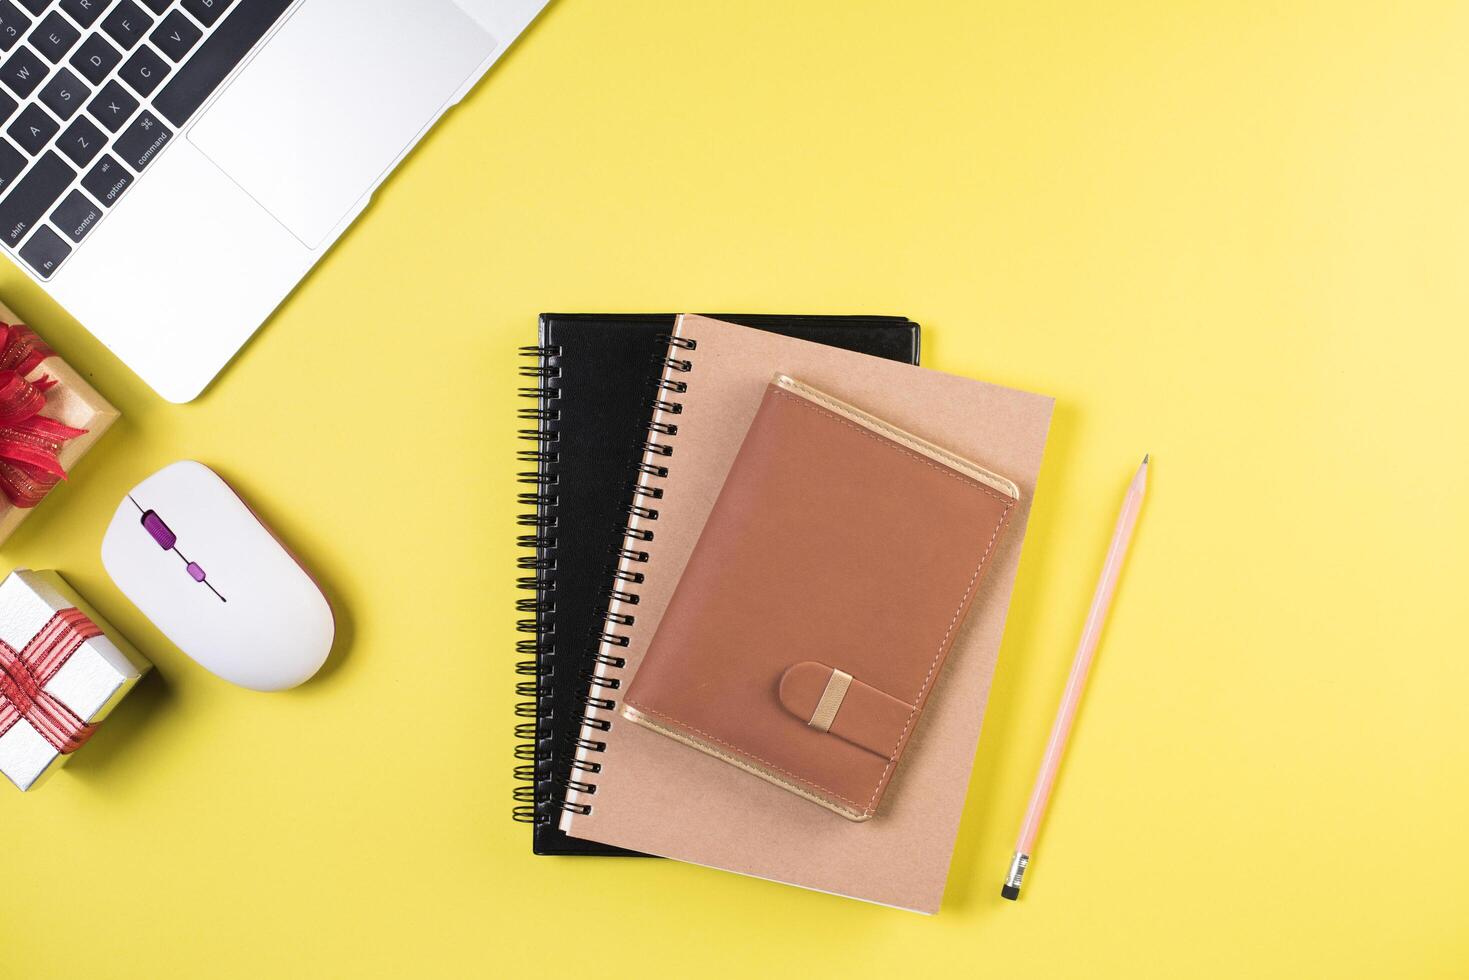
(595, 379)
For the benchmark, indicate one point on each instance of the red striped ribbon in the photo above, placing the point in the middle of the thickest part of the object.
(23, 678)
(30, 443)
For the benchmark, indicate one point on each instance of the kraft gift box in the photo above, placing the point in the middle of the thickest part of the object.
(62, 670)
(70, 400)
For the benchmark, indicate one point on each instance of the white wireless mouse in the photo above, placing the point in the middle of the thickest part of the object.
(197, 561)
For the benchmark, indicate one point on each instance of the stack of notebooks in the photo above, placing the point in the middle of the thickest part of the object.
(769, 561)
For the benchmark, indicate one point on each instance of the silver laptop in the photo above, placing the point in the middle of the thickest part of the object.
(170, 169)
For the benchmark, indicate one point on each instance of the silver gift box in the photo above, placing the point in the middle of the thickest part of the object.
(90, 683)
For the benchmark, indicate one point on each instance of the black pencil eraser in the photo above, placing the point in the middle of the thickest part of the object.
(1010, 892)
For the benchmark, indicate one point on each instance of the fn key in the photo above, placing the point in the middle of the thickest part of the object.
(44, 251)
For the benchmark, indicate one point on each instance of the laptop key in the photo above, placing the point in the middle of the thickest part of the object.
(142, 141)
(76, 216)
(45, 251)
(144, 71)
(32, 196)
(126, 24)
(107, 180)
(12, 162)
(207, 11)
(7, 106)
(197, 78)
(113, 106)
(82, 141)
(35, 6)
(55, 37)
(13, 25)
(65, 94)
(33, 129)
(23, 71)
(95, 58)
(175, 36)
(157, 6)
(85, 12)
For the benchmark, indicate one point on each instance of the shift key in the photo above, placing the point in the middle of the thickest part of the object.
(140, 143)
(30, 199)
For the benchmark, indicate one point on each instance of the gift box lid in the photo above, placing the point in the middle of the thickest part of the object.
(89, 682)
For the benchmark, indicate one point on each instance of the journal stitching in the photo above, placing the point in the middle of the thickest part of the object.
(838, 412)
(926, 461)
(893, 758)
(736, 760)
(791, 385)
(736, 748)
(933, 665)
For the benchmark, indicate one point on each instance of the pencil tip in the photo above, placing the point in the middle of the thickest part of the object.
(1146, 456)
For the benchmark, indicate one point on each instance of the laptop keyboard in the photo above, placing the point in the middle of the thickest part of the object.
(91, 91)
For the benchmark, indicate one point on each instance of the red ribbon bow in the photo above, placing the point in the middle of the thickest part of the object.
(23, 678)
(29, 442)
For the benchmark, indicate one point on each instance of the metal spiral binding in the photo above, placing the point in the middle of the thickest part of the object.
(640, 507)
(538, 572)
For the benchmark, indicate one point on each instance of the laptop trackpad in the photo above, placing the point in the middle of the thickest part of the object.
(313, 122)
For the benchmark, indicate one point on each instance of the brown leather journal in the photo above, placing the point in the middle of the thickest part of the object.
(814, 615)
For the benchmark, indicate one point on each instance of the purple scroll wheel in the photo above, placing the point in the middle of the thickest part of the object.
(161, 532)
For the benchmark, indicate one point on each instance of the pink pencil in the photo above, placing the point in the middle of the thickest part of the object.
(1096, 617)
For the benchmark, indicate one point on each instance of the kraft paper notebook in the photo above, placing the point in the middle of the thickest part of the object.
(591, 376)
(651, 793)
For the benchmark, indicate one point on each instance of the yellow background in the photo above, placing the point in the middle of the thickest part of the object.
(1230, 234)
